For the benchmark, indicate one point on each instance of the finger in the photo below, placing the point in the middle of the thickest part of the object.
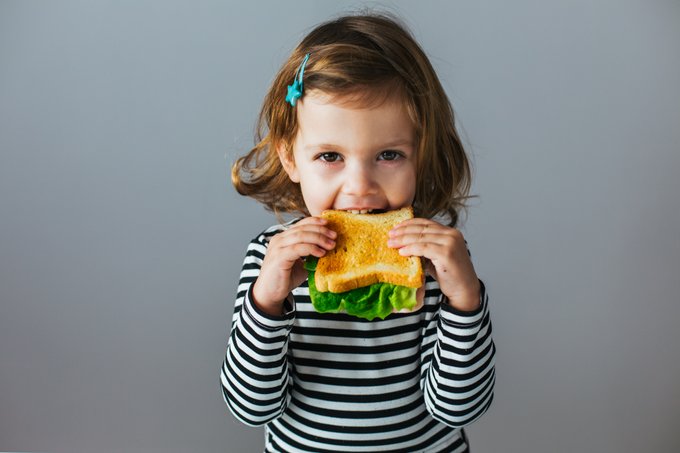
(301, 236)
(422, 237)
(305, 231)
(421, 233)
(421, 227)
(312, 224)
(304, 250)
(417, 222)
(437, 254)
(425, 249)
(426, 231)
(293, 253)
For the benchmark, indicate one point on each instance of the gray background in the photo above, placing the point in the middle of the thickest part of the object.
(121, 238)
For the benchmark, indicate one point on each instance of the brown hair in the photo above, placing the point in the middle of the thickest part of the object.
(362, 59)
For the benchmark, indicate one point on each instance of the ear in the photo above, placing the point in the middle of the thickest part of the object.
(288, 162)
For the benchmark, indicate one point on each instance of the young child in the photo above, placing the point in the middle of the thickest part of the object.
(356, 119)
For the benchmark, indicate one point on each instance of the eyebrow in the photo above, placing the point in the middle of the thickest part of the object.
(396, 143)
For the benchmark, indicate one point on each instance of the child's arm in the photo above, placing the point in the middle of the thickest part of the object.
(458, 372)
(255, 374)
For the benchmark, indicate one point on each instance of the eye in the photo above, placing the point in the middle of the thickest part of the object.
(390, 155)
(329, 156)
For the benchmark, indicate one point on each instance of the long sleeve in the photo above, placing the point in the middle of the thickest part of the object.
(458, 375)
(255, 378)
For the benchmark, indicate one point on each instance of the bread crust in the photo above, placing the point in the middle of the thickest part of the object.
(361, 256)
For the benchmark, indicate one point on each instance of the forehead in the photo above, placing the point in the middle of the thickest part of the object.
(363, 96)
(324, 116)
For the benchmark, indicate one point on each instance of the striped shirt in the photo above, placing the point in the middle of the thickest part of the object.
(336, 383)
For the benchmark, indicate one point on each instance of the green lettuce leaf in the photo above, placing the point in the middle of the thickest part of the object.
(370, 302)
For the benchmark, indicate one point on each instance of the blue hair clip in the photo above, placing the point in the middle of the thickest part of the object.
(295, 90)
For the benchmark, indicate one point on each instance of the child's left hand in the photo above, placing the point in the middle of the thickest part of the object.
(447, 258)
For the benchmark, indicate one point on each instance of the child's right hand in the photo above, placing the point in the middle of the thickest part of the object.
(282, 269)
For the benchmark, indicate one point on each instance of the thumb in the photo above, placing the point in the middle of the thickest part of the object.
(299, 273)
(428, 267)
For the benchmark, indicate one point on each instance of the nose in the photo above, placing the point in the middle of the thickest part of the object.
(360, 181)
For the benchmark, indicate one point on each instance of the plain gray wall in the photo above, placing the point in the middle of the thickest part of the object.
(121, 238)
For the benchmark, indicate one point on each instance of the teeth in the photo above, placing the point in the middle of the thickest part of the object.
(359, 211)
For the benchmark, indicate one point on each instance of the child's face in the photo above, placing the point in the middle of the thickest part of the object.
(353, 159)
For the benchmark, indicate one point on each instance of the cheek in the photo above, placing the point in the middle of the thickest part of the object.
(404, 186)
(317, 191)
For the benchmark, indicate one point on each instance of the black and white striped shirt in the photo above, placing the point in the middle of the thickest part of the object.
(336, 383)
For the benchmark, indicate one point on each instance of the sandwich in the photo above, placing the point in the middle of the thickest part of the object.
(362, 276)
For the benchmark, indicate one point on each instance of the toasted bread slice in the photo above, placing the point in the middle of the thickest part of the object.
(361, 256)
